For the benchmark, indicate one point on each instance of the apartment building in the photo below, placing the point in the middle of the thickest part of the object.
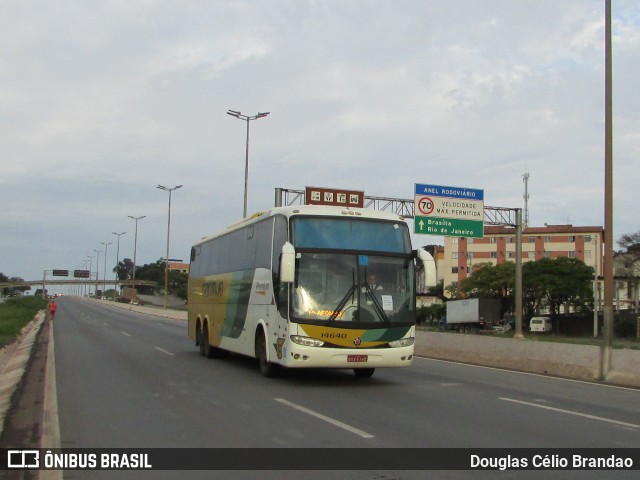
(499, 246)
(176, 266)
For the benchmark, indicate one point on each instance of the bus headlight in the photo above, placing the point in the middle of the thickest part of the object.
(403, 342)
(306, 341)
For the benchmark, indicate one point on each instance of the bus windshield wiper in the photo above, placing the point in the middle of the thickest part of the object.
(376, 304)
(343, 302)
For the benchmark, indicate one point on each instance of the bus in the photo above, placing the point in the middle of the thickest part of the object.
(308, 287)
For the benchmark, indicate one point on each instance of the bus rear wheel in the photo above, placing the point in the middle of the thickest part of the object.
(205, 346)
(208, 350)
(363, 372)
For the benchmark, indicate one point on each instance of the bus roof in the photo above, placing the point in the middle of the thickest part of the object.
(308, 210)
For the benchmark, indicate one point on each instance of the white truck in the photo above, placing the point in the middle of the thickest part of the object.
(473, 314)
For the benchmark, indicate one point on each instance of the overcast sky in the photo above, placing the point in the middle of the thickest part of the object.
(101, 101)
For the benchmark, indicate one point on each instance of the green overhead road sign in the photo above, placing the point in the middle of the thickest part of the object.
(449, 211)
(449, 227)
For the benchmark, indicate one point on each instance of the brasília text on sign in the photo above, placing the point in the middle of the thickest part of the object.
(449, 211)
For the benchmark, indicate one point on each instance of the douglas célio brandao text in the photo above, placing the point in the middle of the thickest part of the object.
(569, 462)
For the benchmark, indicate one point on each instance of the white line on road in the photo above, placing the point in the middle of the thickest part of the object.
(570, 412)
(518, 372)
(164, 351)
(330, 420)
(125, 333)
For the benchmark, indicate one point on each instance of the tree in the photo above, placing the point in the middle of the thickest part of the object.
(452, 291)
(628, 260)
(556, 282)
(490, 281)
(154, 272)
(12, 291)
(630, 242)
(124, 269)
(545, 282)
(437, 290)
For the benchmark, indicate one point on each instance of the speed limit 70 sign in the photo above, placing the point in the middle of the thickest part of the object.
(425, 205)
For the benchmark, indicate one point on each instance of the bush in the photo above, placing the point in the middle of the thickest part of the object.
(625, 325)
(15, 313)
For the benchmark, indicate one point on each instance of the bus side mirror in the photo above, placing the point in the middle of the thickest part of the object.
(429, 268)
(288, 263)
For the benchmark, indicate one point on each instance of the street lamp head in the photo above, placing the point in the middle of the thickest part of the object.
(233, 113)
(136, 218)
(263, 114)
(168, 189)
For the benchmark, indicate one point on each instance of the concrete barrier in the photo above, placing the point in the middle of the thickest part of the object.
(581, 362)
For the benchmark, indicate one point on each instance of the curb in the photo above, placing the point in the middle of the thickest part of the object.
(13, 364)
(155, 311)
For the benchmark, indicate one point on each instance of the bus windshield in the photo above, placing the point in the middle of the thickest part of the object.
(360, 289)
(352, 272)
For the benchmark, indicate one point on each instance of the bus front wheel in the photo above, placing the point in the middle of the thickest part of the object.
(267, 368)
(363, 372)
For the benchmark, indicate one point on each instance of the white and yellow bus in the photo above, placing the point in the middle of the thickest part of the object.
(308, 286)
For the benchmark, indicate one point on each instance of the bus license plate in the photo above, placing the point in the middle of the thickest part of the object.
(357, 358)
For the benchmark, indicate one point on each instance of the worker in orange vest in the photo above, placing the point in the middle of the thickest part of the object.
(52, 308)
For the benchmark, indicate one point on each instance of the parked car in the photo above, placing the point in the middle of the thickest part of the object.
(540, 324)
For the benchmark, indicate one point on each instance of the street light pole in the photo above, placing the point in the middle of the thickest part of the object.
(84, 285)
(90, 268)
(246, 118)
(166, 258)
(104, 274)
(97, 272)
(117, 261)
(135, 247)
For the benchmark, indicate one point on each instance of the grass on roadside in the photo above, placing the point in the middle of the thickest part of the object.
(15, 313)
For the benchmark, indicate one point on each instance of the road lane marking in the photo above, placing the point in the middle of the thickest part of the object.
(164, 351)
(125, 333)
(570, 412)
(330, 420)
(532, 374)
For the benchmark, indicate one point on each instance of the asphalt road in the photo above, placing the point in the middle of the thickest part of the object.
(126, 379)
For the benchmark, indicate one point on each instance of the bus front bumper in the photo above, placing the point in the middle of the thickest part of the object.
(297, 356)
